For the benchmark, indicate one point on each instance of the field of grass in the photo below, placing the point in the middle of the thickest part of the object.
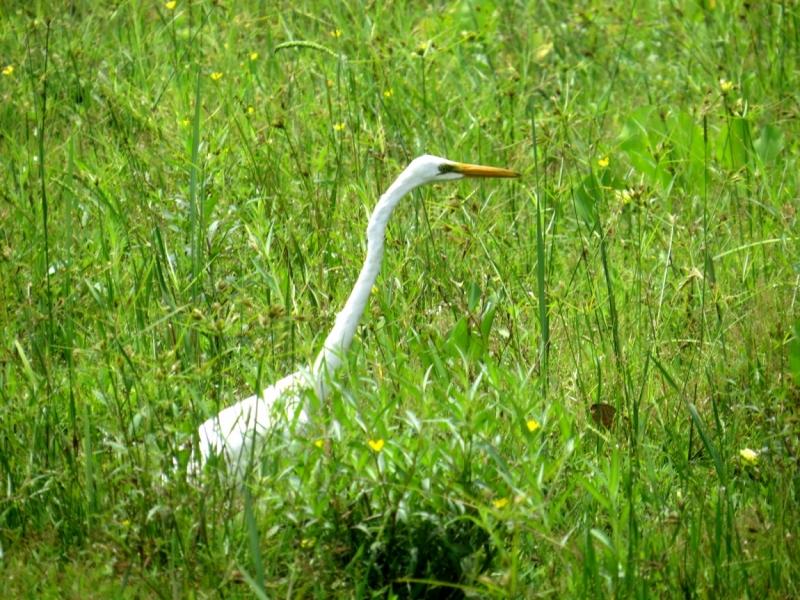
(576, 384)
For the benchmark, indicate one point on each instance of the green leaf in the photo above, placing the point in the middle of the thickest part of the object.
(487, 320)
(502, 466)
(794, 353)
(253, 584)
(88, 452)
(433, 355)
(770, 144)
(457, 338)
(645, 134)
(663, 145)
(255, 547)
(594, 491)
(686, 138)
(474, 295)
(26, 364)
(476, 15)
(602, 538)
(587, 195)
(734, 144)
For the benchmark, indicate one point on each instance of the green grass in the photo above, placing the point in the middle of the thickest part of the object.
(183, 203)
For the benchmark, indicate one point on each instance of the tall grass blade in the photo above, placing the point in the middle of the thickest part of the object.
(254, 586)
(195, 239)
(698, 423)
(43, 182)
(88, 452)
(544, 322)
(67, 290)
(252, 535)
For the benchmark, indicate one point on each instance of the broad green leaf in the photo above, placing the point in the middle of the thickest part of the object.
(734, 144)
(644, 141)
(769, 145)
(663, 145)
(477, 15)
(487, 320)
(587, 196)
(436, 359)
(474, 295)
(457, 338)
(686, 138)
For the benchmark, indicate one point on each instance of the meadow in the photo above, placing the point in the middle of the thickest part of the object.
(574, 384)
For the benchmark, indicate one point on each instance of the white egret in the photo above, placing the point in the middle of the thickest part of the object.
(235, 431)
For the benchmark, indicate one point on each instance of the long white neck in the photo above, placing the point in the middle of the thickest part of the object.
(338, 340)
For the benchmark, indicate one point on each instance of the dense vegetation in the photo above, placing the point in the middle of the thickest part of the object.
(577, 384)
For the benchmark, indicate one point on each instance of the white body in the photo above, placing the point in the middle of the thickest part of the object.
(234, 433)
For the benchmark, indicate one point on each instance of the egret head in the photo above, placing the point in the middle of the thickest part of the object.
(431, 169)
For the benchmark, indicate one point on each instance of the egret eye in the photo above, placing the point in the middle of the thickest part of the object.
(446, 168)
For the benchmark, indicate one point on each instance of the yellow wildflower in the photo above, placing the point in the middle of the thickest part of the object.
(544, 50)
(254, 56)
(623, 196)
(336, 33)
(388, 93)
(216, 76)
(319, 443)
(9, 70)
(250, 110)
(532, 425)
(500, 503)
(603, 162)
(749, 456)
(339, 126)
(171, 5)
(725, 85)
(377, 446)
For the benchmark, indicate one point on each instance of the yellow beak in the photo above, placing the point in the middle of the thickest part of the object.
(481, 171)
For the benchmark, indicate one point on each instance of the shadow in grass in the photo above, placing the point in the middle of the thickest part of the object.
(420, 558)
